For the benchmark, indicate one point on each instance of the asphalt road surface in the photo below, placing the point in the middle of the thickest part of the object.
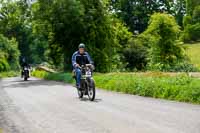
(39, 106)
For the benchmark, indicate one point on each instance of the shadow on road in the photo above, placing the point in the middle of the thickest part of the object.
(20, 83)
(85, 99)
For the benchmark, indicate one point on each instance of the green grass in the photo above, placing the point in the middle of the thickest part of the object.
(9, 74)
(64, 77)
(152, 84)
(193, 52)
(179, 88)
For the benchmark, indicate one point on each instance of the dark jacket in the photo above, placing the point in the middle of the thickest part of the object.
(25, 64)
(81, 59)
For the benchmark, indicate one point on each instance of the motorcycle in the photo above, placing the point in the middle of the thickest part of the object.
(87, 82)
(26, 73)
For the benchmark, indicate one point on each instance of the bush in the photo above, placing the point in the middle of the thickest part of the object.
(135, 55)
(187, 20)
(4, 66)
(178, 67)
(184, 67)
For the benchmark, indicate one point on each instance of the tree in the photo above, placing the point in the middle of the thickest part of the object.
(16, 22)
(179, 11)
(163, 32)
(196, 14)
(191, 4)
(136, 13)
(9, 54)
(61, 22)
(192, 22)
(135, 54)
(13, 16)
(68, 23)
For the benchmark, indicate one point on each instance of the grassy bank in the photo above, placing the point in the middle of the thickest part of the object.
(9, 74)
(158, 85)
(179, 88)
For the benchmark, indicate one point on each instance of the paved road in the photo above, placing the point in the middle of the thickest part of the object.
(39, 106)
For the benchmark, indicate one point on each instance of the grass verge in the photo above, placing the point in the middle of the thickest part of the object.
(180, 88)
(9, 74)
(157, 85)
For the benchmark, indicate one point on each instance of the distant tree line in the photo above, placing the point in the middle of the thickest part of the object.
(120, 35)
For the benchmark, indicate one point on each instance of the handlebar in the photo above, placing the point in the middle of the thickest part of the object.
(86, 65)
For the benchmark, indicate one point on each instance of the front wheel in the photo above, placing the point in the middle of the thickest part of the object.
(91, 90)
(25, 78)
(26, 75)
(80, 94)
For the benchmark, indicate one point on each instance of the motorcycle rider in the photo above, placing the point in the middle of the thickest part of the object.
(79, 58)
(23, 65)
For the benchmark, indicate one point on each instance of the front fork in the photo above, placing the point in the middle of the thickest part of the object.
(84, 85)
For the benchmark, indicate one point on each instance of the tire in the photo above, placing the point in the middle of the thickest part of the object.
(91, 90)
(25, 78)
(25, 75)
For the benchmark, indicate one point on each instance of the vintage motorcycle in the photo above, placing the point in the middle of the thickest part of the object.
(87, 82)
(26, 72)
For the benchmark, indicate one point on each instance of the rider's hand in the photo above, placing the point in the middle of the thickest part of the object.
(77, 65)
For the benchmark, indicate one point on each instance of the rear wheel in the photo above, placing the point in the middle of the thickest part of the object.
(91, 90)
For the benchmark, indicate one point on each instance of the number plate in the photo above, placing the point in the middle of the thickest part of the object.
(88, 74)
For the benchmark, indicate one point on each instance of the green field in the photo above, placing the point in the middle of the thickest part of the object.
(193, 51)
